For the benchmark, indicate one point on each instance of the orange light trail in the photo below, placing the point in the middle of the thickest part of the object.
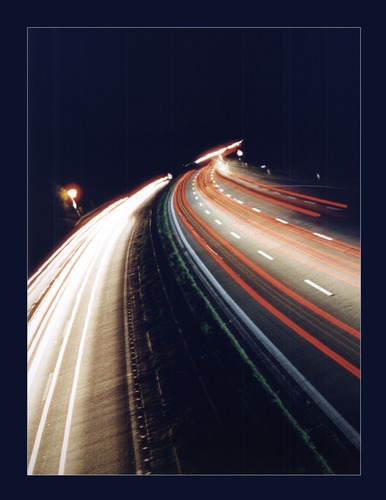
(219, 152)
(180, 190)
(286, 191)
(244, 214)
(347, 248)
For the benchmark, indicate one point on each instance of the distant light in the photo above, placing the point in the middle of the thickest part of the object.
(169, 176)
(239, 152)
(263, 166)
(219, 152)
(72, 193)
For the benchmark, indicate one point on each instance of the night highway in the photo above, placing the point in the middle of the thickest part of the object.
(81, 402)
(282, 273)
(287, 270)
(194, 251)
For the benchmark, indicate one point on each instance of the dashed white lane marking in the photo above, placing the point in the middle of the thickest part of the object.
(207, 212)
(282, 221)
(218, 222)
(229, 195)
(239, 201)
(323, 290)
(256, 209)
(235, 235)
(323, 236)
(265, 255)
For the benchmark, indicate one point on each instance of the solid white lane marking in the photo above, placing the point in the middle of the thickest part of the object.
(235, 235)
(282, 221)
(207, 212)
(256, 209)
(323, 236)
(323, 290)
(265, 255)
(218, 222)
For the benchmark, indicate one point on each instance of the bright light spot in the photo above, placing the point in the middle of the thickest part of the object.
(219, 152)
(239, 152)
(72, 193)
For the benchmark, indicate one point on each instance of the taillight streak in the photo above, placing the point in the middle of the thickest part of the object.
(180, 189)
(329, 243)
(244, 213)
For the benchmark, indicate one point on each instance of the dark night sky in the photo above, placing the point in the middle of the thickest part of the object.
(109, 108)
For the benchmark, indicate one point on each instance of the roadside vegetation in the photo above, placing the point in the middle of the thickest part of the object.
(232, 421)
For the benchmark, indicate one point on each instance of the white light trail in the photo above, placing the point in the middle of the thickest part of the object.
(219, 152)
(73, 282)
(111, 242)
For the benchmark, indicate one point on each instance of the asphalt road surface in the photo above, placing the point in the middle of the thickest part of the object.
(285, 257)
(81, 414)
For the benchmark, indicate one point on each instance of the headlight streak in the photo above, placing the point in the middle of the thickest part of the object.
(219, 152)
(283, 318)
(111, 239)
(95, 243)
(56, 287)
(79, 235)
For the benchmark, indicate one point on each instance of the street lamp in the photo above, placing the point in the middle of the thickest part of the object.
(72, 194)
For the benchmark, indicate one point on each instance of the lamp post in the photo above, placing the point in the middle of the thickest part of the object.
(72, 194)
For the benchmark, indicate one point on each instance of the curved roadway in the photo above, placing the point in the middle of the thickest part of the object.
(81, 417)
(295, 280)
